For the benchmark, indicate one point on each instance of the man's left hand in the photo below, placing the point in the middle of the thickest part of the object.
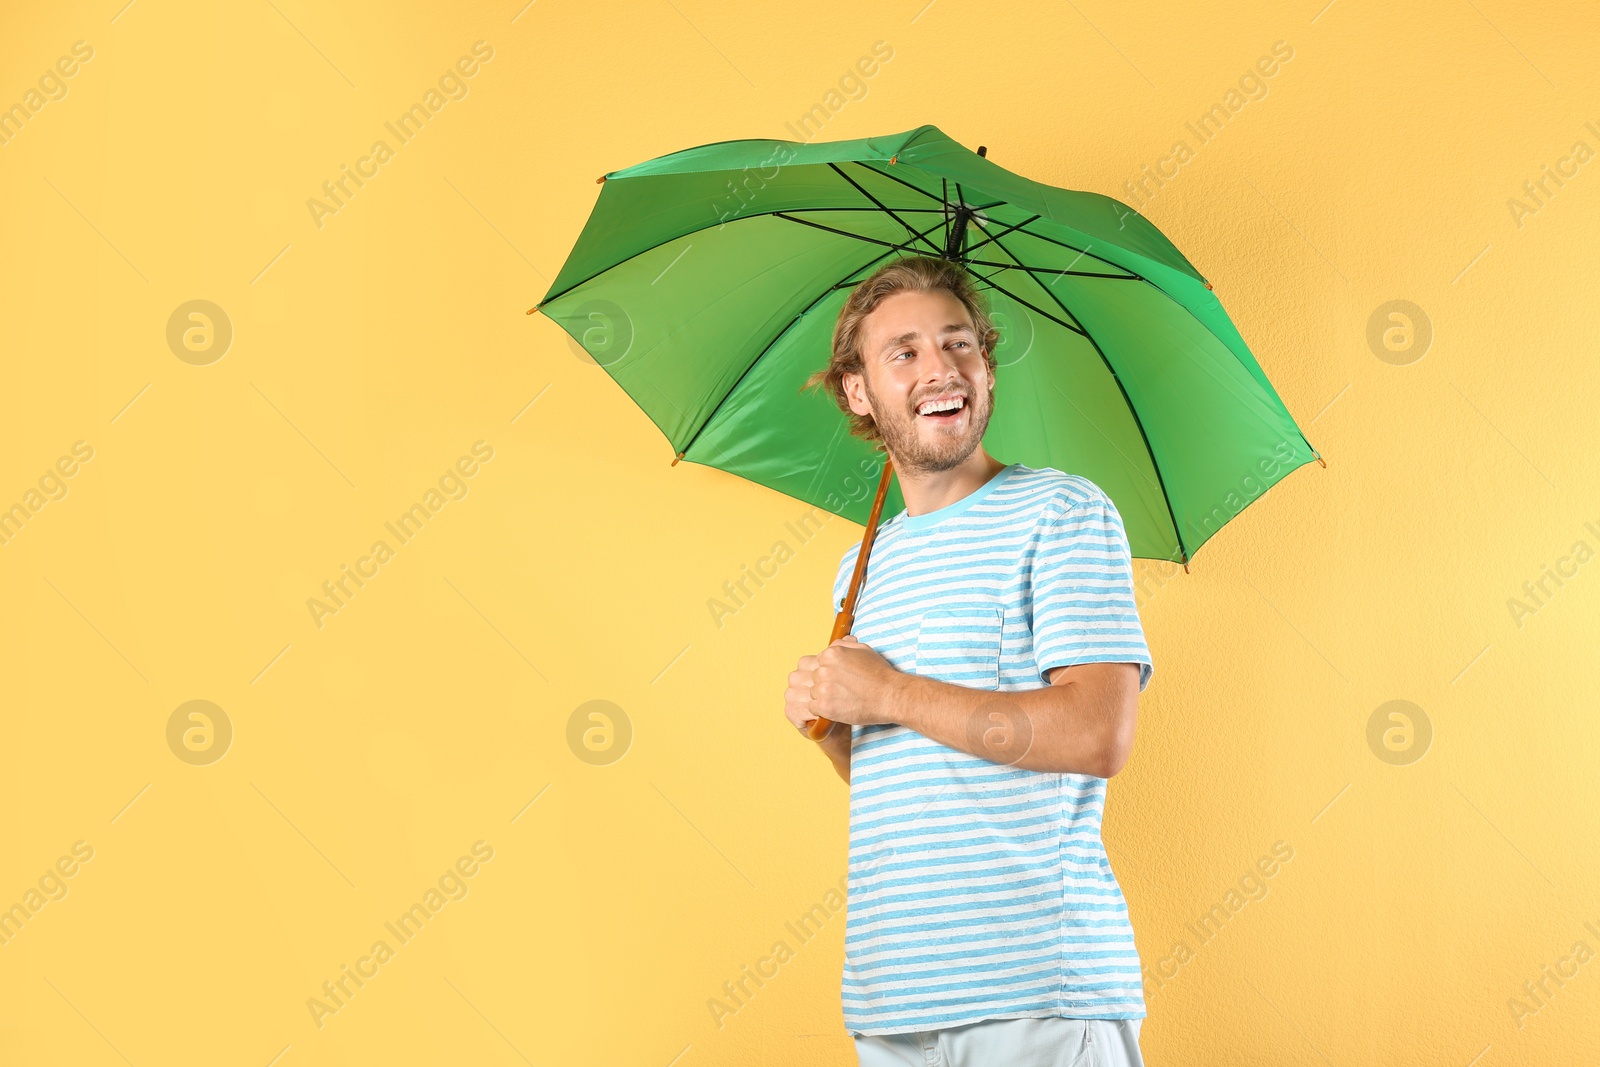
(853, 684)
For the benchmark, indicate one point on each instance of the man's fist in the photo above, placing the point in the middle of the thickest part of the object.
(797, 698)
(847, 682)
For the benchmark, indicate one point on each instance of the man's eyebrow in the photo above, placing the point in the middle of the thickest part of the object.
(954, 327)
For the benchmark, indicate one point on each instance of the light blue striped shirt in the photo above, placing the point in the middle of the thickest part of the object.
(979, 890)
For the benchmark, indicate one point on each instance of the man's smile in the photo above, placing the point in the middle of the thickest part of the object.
(944, 409)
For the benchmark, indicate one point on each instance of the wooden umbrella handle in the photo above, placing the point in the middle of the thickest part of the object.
(846, 618)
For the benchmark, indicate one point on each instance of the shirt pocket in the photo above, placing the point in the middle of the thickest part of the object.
(961, 645)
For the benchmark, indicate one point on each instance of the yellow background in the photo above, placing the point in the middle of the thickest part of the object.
(370, 352)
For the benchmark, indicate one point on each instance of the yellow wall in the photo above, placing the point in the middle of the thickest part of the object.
(374, 346)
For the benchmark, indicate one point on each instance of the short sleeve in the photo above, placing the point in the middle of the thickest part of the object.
(1083, 608)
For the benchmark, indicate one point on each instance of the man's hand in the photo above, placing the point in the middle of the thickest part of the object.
(847, 682)
(1081, 723)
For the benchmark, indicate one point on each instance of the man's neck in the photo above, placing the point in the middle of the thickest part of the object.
(926, 491)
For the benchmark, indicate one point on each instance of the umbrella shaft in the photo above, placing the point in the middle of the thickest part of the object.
(954, 248)
(845, 619)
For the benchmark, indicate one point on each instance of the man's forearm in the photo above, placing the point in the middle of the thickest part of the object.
(837, 746)
(1056, 728)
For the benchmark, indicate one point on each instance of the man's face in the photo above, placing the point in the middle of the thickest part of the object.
(915, 348)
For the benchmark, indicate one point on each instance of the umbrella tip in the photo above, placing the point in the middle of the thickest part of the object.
(676, 458)
(533, 309)
(600, 179)
(1208, 285)
(983, 151)
(1323, 462)
(893, 158)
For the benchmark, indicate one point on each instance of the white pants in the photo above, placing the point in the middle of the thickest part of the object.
(1049, 1042)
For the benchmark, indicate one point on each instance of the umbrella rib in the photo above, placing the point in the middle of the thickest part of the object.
(1131, 276)
(918, 189)
(888, 210)
(1053, 270)
(759, 214)
(1064, 309)
(1236, 356)
(1228, 385)
(1133, 411)
(1080, 251)
(698, 229)
(989, 281)
(643, 251)
(847, 233)
(1096, 427)
(942, 202)
(995, 237)
(988, 237)
(863, 207)
(779, 336)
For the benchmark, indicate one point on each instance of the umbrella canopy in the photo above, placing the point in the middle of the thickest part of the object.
(707, 284)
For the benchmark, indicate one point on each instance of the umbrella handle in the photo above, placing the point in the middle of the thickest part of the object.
(846, 618)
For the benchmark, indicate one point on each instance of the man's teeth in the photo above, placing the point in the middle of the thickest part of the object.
(935, 406)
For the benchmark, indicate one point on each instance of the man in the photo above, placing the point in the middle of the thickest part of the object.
(988, 691)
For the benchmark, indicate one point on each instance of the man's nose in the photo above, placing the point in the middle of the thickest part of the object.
(943, 367)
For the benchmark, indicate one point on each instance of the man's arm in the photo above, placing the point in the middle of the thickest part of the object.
(837, 742)
(837, 747)
(797, 707)
(1082, 723)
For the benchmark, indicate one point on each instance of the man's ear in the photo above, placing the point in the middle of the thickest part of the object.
(856, 392)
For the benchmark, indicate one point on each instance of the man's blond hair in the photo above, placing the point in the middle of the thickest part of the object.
(921, 274)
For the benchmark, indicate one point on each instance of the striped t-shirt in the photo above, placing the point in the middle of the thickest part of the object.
(979, 890)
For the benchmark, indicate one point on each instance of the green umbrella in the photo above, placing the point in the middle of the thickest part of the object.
(707, 283)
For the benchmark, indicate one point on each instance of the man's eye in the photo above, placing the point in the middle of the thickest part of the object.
(907, 352)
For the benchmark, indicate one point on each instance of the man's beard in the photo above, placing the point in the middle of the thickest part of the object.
(931, 448)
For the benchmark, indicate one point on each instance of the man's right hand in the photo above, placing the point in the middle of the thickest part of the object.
(797, 709)
(797, 698)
